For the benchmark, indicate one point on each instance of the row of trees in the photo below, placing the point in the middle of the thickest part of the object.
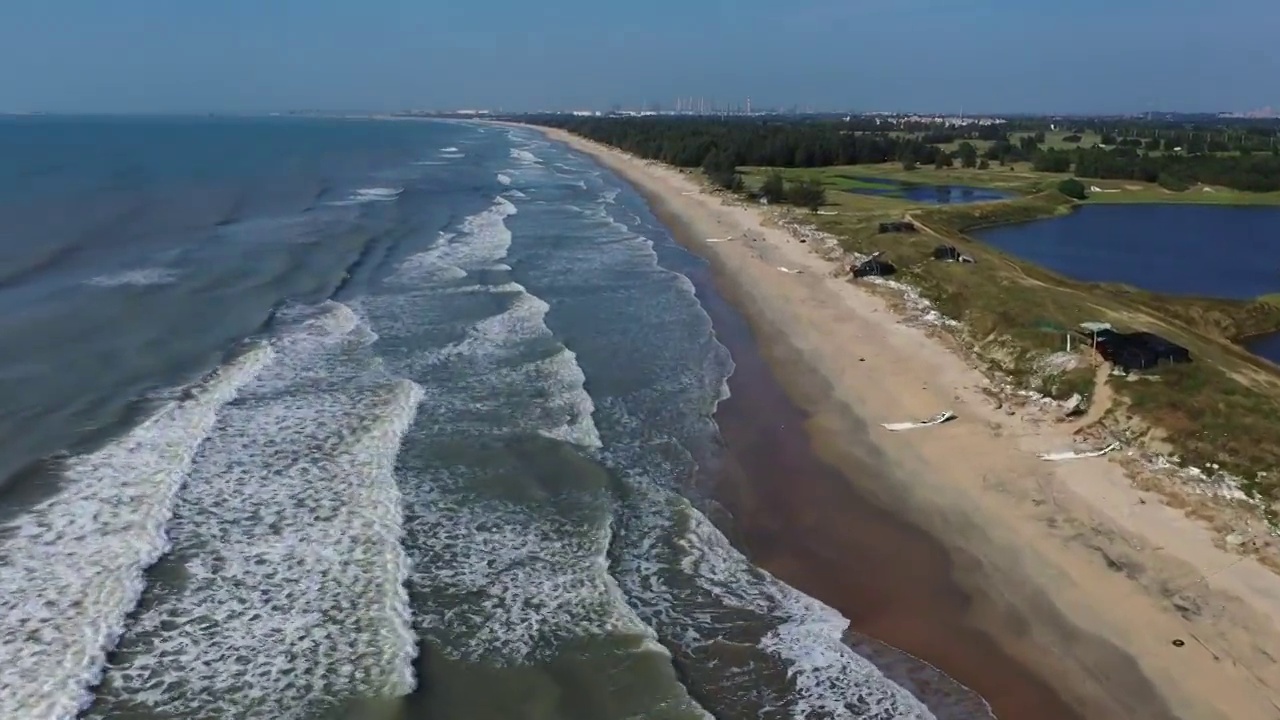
(1253, 173)
(721, 146)
(1216, 135)
(687, 142)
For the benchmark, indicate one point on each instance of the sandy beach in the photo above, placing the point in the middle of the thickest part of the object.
(1065, 585)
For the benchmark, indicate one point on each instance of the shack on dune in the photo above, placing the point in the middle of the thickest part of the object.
(873, 267)
(1138, 350)
(899, 226)
(949, 253)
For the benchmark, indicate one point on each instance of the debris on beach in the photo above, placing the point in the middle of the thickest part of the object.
(944, 416)
(1073, 406)
(719, 239)
(789, 270)
(1074, 455)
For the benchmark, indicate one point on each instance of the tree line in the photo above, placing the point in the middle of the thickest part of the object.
(720, 146)
(751, 142)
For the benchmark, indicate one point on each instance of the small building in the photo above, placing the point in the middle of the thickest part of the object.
(949, 253)
(900, 226)
(1137, 350)
(874, 267)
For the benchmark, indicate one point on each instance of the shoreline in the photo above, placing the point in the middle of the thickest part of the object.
(796, 515)
(1053, 558)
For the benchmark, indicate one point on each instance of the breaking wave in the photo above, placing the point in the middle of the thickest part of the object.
(286, 540)
(371, 194)
(74, 563)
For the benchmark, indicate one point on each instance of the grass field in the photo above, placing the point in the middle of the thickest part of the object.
(1221, 408)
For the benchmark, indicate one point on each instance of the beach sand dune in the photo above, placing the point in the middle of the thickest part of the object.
(1124, 605)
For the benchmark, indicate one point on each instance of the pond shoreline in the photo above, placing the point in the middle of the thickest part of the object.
(1095, 252)
(911, 191)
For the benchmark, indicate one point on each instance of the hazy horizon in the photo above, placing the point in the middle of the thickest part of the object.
(239, 57)
(1238, 113)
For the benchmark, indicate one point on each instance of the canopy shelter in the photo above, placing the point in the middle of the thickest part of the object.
(1138, 350)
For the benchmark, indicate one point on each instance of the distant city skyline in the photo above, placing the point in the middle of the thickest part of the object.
(394, 55)
(710, 106)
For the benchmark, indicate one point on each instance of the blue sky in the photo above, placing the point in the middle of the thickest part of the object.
(996, 55)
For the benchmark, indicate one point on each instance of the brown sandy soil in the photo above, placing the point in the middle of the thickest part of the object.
(1102, 587)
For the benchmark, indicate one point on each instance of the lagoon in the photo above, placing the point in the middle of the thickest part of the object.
(1199, 250)
(922, 193)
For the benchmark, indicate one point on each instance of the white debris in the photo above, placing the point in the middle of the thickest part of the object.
(1220, 485)
(1075, 455)
(1058, 363)
(938, 419)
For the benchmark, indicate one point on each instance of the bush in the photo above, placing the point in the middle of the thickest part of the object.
(1072, 188)
(1073, 138)
(773, 188)
(984, 164)
(807, 194)
(1173, 183)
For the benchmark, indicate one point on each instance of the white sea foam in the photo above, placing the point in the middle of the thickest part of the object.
(430, 162)
(370, 194)
(453, 156)
(827, 678)
(138, 277)
(504, 179)
(450, 149)
(525, 156)
(285, 584)
(491, 369)
(497, 580)
(508, 583)
(73, 565)
(482, 240)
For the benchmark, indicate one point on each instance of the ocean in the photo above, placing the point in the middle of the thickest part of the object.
(313, 418)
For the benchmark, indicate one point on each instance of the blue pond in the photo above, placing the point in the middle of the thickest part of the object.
(917, 192)
(1201, 250)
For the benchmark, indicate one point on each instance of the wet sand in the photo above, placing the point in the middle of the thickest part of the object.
(1054, 589)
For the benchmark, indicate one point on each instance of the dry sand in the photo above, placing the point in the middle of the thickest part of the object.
(1071, 569)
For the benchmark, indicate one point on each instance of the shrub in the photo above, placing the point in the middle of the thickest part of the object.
(1072, 188)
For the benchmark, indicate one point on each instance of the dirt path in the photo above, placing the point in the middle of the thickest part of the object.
(1102, 399)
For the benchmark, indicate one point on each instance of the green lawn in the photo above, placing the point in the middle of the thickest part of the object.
(1019, 177)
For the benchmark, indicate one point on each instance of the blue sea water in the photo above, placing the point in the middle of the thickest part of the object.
(301, 413)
